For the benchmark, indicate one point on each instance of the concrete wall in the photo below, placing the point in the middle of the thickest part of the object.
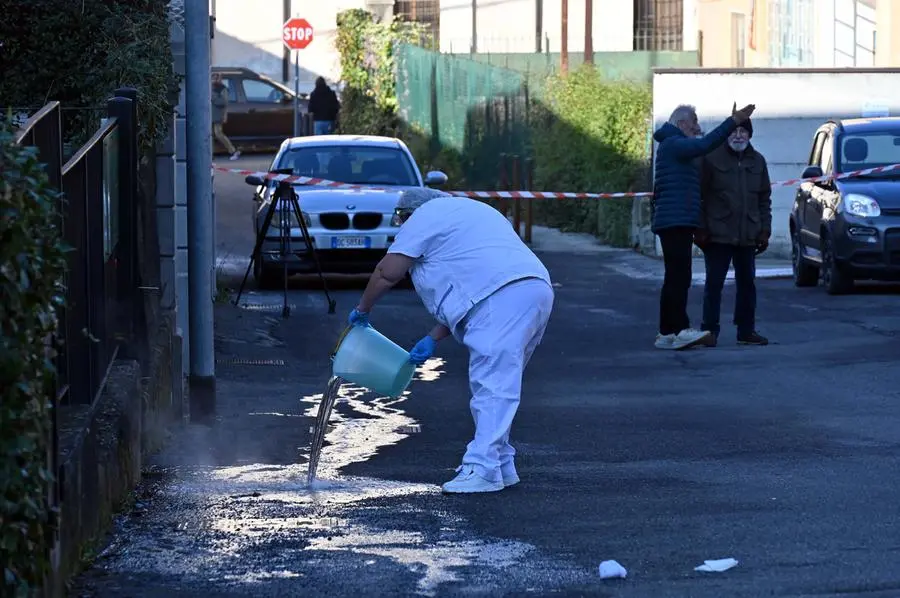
(509, 25)
(785, 118)
(248, 34)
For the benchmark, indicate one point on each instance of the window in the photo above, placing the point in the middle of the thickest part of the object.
(827, 150)
(738, 39)
(868, 150)
(791, 33)
(658, 25)
(260, 91)
(359, 165)
(232, 90)
(816, 152)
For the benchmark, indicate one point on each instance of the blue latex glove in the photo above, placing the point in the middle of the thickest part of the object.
(423, 350)
(358, 318)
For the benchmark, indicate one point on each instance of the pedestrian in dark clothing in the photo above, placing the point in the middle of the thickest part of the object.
(676, 214)
(324, 106)
(736, 197)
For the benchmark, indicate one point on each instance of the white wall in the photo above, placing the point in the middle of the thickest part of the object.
(790, 106)
(509, 25)
(248, 34)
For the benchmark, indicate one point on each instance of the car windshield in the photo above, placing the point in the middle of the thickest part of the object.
(358, 165)
(859, 151)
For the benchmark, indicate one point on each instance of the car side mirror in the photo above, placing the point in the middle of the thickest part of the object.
(812, 172)
(435, 178)
(254, 179)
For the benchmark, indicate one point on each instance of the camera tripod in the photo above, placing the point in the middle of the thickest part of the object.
(284, 195)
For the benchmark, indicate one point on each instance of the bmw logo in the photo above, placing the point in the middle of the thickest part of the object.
(351, 207)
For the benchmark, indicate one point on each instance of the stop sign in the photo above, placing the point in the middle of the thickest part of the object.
(297, 33)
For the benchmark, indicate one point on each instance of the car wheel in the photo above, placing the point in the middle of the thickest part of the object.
(267, 278)
(805, 275)
(834, 278)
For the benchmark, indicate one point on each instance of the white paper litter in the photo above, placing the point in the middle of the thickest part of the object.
(612, 570)
(717, 566)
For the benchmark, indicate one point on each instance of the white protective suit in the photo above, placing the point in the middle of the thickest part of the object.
(477, 277)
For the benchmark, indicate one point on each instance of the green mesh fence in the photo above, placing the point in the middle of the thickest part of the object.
(472, 109)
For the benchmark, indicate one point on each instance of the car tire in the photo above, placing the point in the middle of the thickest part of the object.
(805, 275)
(834, 277)
(267, 278)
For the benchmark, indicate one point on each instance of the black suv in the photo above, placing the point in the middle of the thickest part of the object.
(849, 229)
(260, 109)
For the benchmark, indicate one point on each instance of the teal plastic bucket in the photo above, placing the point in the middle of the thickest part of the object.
(369, 359)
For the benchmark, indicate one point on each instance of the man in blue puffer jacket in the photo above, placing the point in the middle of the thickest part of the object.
(676, 214)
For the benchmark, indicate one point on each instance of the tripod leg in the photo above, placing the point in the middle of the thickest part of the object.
(260, 238)
(312, 249)
(285, 246)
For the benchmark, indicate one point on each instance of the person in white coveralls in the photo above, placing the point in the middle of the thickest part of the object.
(488, 290)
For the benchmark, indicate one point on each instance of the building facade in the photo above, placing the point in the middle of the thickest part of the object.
(799, 33)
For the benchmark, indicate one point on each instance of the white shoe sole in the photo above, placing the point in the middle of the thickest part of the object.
(481, 490)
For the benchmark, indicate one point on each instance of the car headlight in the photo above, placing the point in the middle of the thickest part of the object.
(860, 205)
(395, 219)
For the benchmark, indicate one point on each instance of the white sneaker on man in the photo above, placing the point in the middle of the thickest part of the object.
(235, 156)
(665, 341)
(467, 481)
(689, 337)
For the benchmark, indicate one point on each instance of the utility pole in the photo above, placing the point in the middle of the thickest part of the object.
(564, 42)
(473, 47)
(589, 31)
(202, 376)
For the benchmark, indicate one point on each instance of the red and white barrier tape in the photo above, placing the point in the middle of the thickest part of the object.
(305, 180)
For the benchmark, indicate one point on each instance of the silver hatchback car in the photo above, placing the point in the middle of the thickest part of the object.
(351, 229)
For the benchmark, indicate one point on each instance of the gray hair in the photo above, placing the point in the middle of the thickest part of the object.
(683, 112)
(414, 198)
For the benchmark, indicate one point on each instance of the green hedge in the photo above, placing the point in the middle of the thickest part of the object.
(366, 48)
(591, 135)
(79, 52)
(32, 262)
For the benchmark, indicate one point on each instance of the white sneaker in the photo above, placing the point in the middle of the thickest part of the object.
(690, 337)
(235, 156)
(467, 481)
(665, 341)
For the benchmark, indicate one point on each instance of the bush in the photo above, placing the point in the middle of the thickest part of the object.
(107, 44)
(591, 135)
(32, 262)
(368, 64)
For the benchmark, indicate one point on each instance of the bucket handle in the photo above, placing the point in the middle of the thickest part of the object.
(340, 341)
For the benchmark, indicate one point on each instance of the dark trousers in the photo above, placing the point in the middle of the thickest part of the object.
(718, 258)
(677, 244)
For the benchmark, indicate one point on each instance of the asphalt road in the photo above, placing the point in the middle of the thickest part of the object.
(786, 457)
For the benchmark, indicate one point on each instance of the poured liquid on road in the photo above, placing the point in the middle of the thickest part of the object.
(321, 427)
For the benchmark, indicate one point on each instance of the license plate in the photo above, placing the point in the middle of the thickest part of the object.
(350, 242)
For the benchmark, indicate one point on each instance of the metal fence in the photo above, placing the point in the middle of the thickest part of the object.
(96, 219)
(474, 109)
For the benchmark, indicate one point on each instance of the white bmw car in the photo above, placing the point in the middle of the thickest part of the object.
(350, 228)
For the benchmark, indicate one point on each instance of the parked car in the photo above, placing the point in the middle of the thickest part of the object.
(260, 109)
(849, 229)
(350, 228)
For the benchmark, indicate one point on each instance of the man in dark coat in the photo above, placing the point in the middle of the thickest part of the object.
(324, 106)
(736, 197)
(676, 214)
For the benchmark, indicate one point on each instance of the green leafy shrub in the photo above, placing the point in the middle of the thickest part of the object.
(32, 262)
(591, 135)
(108, 44)
(368, 65)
